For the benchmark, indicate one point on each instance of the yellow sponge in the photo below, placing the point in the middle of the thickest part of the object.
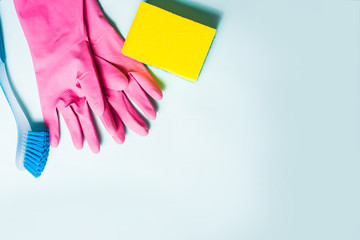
(169, 42)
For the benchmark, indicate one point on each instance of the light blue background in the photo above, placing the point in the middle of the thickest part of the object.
(264, 146)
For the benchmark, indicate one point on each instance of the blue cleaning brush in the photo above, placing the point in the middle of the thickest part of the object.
(32, 147)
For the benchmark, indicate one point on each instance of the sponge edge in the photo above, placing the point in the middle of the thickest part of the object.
(167, 41)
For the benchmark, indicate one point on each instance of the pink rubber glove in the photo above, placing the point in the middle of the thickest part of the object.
(65, 70)
(122, 73)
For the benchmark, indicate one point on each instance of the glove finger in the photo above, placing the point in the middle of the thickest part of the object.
(118, 140)
(51, 121)
(89, 81)
(111, 77)
(96, 101)
(73, 125)
(120, 136)
(93, 94)
(139, 97)
(128, 114)
(147, 82)
(94, 97)
(111, 116)
(83, 113)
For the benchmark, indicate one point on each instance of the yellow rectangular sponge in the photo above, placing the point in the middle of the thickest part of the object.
(167, 41)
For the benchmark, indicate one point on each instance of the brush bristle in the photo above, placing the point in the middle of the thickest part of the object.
(36, 152)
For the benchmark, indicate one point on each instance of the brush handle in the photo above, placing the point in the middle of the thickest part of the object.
(20, 118)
